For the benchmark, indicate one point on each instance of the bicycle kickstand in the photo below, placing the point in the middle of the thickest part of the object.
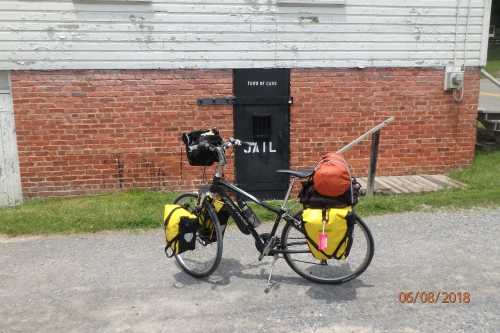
(271, 283)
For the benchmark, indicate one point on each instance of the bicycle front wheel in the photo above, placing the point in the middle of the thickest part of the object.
(206, 257)
(332, 271)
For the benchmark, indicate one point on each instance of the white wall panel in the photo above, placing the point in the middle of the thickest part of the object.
(239, 33)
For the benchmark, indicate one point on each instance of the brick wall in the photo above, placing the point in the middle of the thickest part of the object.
(431, 134)
(92, 131)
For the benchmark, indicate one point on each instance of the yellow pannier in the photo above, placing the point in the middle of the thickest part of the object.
(207, 231)
(180, 229)
(337, 224)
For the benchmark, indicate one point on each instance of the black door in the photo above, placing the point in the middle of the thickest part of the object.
(261, 116)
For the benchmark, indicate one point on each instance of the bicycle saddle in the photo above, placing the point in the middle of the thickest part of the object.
(298, 174)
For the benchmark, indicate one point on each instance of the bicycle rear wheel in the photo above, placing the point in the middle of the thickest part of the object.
(206, 257)
(330, 271)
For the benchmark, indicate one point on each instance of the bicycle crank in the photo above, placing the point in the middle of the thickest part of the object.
(270, 245)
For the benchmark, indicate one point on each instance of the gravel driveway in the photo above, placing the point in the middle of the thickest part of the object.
(122, 282)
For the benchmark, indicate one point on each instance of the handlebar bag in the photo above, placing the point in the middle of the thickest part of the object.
(332, 176)
(199, 155)
(338, 226)
(180, 227)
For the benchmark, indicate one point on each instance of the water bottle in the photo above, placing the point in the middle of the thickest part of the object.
(249, 215)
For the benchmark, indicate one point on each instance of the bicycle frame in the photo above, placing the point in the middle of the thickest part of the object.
(222, 187)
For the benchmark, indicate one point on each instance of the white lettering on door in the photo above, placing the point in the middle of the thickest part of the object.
(271, 150)
(262, 83)
(248, 150)
(253, 148)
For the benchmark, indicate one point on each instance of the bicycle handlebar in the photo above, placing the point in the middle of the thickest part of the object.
(220, 150)
(230, 142)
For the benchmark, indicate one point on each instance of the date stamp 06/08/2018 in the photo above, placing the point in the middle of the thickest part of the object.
(435, 297)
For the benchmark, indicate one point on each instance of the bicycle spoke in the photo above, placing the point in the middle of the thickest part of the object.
(296, 243)
(202, 242)
(308, 262)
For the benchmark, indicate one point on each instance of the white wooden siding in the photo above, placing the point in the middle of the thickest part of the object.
(238, 33)
(10, 179)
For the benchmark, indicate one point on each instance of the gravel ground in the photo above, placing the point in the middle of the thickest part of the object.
(121, 282)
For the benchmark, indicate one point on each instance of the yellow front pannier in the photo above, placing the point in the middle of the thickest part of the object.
(337, 224)
(207, 231)
(180, 229)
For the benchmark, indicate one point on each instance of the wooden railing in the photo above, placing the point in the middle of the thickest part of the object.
(375, 136)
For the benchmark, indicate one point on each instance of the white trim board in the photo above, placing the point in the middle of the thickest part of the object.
(486, 33)
(10, 177)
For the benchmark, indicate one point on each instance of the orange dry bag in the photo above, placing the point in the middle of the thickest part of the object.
(331, 176)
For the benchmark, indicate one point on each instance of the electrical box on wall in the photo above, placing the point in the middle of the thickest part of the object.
(453, 78)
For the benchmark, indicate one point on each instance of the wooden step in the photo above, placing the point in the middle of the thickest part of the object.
(411, 183)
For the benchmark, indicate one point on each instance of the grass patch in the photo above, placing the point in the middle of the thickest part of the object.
(143, 209)
(124, 210)
(493, 64)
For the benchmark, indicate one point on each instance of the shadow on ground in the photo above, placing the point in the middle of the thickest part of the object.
(232, 268)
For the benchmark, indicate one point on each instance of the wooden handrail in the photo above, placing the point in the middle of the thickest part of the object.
(375, 132)
(366, 134)
(490, 77)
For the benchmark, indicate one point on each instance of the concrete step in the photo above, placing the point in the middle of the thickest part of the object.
(491, 125)
(488, 115)
(489, 119)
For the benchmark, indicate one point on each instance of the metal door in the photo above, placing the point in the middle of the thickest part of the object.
(10, 180)
(261, 116)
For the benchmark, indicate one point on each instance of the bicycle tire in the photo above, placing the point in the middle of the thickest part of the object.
(191, 206)
(370, 250)
(184, 259)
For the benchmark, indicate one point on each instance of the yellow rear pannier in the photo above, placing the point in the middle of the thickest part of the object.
(337, 224)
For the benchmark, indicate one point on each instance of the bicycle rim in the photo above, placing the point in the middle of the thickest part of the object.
(330, 271)
(206, 257)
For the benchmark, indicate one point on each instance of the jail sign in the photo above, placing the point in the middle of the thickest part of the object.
(260, 147)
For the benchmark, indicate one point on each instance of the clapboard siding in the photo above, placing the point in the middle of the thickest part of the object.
(134, 37)
(233, 45)
(237, 33)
